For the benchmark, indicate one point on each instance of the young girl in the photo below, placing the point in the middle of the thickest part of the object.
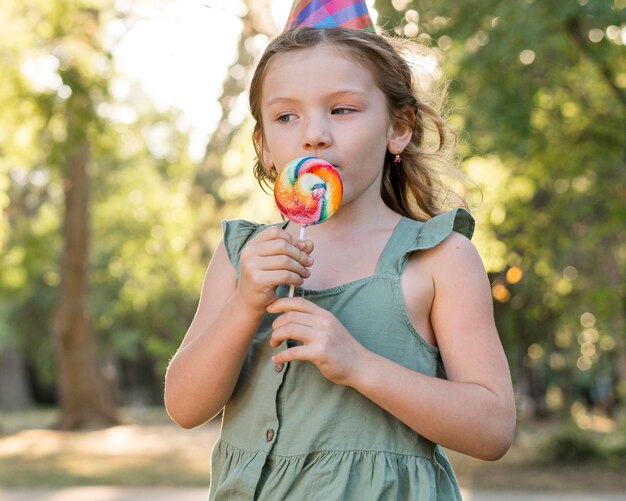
(389, 347)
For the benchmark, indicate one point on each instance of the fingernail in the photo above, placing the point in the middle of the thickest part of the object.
(301, 245)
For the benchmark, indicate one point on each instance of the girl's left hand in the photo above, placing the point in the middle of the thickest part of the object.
(326, 342)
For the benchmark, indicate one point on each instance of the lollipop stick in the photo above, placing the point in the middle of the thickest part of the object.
(300, 237)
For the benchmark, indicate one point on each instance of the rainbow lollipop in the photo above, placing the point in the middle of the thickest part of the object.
(308, 191)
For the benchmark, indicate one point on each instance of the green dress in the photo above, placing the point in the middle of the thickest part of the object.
(290, 434)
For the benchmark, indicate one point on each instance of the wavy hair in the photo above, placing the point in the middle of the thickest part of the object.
(414, 188)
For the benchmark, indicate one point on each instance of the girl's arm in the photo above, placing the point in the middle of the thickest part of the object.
(473, 411)
(204, 370)
(203, 373)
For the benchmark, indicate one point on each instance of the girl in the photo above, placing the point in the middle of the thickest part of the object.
(344, 392)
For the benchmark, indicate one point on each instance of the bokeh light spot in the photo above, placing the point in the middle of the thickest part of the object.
(527, 57)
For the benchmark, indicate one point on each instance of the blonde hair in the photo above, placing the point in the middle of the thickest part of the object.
(413, 188)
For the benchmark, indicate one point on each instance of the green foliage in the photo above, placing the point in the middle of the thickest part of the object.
(145, 273)
(539, 88)
(571, 445)
(146, 264)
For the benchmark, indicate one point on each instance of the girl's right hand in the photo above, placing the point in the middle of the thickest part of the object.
(270, 259)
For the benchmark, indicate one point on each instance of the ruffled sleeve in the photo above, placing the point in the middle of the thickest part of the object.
(237, 232)
(412, 235)
(436, 230)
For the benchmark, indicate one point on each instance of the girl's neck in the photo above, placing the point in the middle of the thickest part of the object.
(353, 218)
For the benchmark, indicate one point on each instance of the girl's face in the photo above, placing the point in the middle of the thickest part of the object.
(319, 102)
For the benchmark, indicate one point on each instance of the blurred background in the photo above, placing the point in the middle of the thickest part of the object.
(125, 140)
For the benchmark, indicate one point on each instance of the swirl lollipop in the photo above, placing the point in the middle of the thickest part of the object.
(308, 191)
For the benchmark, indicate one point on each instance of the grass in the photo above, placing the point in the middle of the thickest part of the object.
(151, 451)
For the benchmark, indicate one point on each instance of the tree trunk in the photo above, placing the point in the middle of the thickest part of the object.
(15, 394)
(83, 399)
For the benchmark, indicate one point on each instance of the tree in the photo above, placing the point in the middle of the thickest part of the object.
(84, 399)
(96, 235)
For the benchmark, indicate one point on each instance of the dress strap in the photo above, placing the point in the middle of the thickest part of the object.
(410, 236)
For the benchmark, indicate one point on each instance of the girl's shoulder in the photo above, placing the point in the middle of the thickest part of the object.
(447, 250)
(412, 235)
(444, 242)
(440, 228)
(412, 239)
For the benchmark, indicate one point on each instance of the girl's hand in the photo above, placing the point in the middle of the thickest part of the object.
(327, 343)
(270, 259)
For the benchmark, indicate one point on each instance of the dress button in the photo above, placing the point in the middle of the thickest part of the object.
(279, 367)
(269, 434)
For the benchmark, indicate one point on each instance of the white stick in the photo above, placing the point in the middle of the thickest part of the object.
(300, 237)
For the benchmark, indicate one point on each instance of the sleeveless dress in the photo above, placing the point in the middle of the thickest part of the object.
(290, 434)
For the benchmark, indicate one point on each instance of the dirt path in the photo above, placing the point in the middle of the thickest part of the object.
(190, 494)
(156, 453)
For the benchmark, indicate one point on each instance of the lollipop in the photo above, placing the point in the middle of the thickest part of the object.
(308, 191)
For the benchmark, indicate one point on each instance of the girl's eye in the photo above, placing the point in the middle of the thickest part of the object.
(285, 118)
(341, 111)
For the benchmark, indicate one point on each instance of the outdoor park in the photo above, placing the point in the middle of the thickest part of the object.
(125, 141)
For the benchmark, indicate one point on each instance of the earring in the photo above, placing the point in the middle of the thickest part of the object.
(397, 160)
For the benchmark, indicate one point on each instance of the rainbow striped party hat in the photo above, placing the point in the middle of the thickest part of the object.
(329, 14)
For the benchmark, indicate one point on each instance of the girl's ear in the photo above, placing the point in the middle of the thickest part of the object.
(261, 148)
(400, 130)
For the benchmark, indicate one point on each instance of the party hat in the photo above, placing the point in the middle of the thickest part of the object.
(329, 14)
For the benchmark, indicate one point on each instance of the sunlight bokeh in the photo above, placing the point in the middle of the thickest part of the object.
(180, 54)
(180, 51)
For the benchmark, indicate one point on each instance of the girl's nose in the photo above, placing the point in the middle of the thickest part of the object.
(316, 136)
